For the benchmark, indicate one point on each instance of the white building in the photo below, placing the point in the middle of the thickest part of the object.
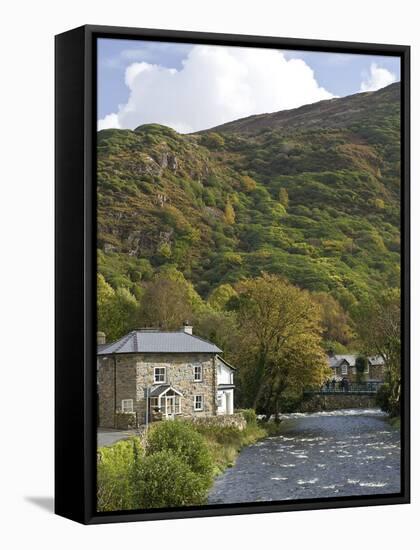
(225, 386)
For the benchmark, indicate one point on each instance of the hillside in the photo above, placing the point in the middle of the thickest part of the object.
(310, 193)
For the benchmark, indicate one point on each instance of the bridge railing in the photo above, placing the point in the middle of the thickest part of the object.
(351, 387)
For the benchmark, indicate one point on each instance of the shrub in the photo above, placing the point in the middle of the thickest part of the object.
(250, 416)
(116, 466)
(185, 442)
(383, 398)
(164, 480)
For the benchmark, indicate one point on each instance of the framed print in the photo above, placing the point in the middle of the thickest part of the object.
(232, 274)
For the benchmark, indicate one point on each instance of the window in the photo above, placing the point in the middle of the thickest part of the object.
(198, 402)
(177, 404)
(366, 371)
(159, 374)
(198, 373)
(127, 405)
(344, 369)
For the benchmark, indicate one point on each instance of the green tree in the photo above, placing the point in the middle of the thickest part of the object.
(361, 364)
(378, 322)
(221, 295)
(117, 309)
(334, 319)
(213, 140)
(105, 297)
(248, 184)
(219, 327)
(284, 197)
(229, 213)
(165, 304)
(281, 349)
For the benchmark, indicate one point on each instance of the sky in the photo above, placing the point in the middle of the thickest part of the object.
(194, 87)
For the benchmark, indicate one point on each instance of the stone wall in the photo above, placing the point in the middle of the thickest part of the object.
(179, 374)
(235, 420)
(125, 421)
(128, 376)
(106, 392)
(376, 372)
(314, 403)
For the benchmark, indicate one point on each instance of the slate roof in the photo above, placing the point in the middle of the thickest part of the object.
(337, 360)
(158, 341)
(159, 390)
(226, 363)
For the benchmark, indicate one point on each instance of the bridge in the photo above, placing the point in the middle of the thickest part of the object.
(352, 388)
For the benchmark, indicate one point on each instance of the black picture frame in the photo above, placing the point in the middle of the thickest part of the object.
(75, 270)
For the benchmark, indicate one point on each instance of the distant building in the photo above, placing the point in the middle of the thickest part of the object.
(153, 374)
(344, 366)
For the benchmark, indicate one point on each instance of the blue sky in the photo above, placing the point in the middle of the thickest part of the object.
(190, 87)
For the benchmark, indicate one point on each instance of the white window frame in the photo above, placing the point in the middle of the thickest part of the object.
(155, 375)
(366, 371)
(200, 378)
(127, 405)
(177, 404)
(201, 401)
(344, 369)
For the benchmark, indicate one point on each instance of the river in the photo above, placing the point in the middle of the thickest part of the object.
(317, 455)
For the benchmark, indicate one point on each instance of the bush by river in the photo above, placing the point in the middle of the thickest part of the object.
(173, 466)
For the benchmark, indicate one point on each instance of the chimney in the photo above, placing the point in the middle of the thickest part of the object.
(100, 338)
(187, 328)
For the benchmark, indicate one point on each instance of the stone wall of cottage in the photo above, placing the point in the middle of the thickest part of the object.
(179, 370)
(106, 405)
(376, 372)
(133, 373)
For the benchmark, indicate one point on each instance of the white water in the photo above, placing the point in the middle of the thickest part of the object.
(317, 455)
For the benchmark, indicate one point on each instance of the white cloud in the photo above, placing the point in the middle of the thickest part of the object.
(214, 85)
(109, 121)
(377, 78)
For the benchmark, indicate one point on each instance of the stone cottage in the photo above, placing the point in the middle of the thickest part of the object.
(151, 374)
(344, 366)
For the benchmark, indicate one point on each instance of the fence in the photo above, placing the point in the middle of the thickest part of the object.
(349, 387)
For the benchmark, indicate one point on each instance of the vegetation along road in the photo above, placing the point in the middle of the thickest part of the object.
(330, 454)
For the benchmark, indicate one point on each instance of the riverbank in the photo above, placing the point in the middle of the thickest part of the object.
(318, 455)
(225, 443)
(395, 422)
(174, 463)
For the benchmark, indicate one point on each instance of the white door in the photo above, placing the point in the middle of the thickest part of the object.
(229, 402)
(221, 402)
(170, 407)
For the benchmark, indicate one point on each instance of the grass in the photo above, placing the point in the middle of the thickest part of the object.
(226, 442)
(395, 422)
(135, 474)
